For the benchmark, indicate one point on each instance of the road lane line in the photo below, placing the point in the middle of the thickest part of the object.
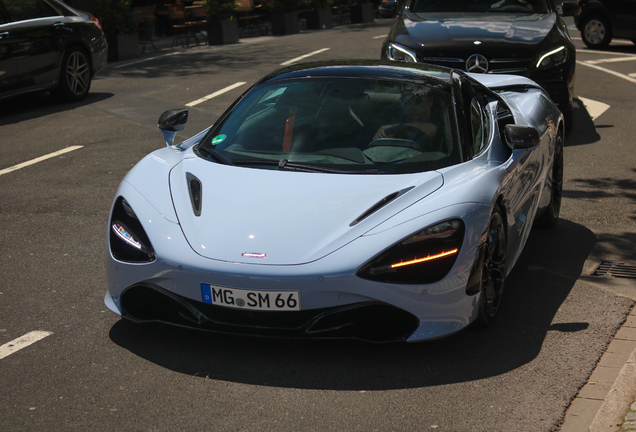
(612, 60)
(379, 37)
(215, 94)
(611, 72)
(22, 342)
(39, 159)
(288, 62)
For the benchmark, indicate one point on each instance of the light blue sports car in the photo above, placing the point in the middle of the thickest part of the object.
(372, 200)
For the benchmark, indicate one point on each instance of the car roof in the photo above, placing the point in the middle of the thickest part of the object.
(363, 69)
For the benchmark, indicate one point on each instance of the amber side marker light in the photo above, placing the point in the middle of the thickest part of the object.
(427, 258)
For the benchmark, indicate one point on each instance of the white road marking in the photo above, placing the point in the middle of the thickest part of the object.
(22, 342)
(145, 60)
(611, 72)
(594, 108)
(633, 75)
(612, 60)
(215, 94)
(379, 37)
(588, 51)
(39, 159)
(288, 62)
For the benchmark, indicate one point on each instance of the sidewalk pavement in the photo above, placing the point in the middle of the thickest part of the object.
(607, 402)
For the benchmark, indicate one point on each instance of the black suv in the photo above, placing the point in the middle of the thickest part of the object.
(602, 20)
(522, 37)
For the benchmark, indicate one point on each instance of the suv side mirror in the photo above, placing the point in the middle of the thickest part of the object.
(171, 122)
(569, 8)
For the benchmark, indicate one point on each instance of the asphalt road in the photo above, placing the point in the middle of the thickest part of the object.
(96, 372)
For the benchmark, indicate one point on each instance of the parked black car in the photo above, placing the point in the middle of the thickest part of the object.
(602, 20)
(522, 37)
(47, 46)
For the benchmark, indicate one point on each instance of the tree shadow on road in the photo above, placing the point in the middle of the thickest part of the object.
(544, 276)
(29, 107)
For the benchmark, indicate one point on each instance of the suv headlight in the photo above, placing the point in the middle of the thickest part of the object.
(553, 58)
(400, 53)
(422, 258)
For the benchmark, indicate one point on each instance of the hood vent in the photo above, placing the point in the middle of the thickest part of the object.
(195, 187)
(377, 206)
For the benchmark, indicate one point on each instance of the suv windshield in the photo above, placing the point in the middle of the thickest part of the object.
(518, 6)
(349, 125)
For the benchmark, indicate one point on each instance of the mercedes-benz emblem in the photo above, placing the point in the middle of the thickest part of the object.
(477, 63)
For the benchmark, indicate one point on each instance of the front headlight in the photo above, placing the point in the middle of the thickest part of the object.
(553, 58)
(422, 258)
(400, 53)
(128, 240)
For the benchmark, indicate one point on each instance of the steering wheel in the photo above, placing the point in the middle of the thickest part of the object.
(405, 132)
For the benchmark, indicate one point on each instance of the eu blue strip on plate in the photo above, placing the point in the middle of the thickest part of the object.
(206, 293)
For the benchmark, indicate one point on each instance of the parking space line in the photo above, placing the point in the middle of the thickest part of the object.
(609, 71)
(215, 94)
(379, 37)
(39, 159)
(145, 59)
(288, 62)
(612, 60)
(591, 51)
(22, 342)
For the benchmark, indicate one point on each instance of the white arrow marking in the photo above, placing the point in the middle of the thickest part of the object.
(594, 108)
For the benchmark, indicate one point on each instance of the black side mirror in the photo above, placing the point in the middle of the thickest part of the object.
(521, 137)
(569, 8)
(172, 121)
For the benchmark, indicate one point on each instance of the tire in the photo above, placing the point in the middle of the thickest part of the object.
(75, 76)
(493, 270)
(551, 214)
(596, 32)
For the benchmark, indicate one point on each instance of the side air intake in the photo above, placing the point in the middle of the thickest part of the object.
(196, 189)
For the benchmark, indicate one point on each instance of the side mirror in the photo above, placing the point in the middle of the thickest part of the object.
(569, 8)
(521, 137)
(172, 121)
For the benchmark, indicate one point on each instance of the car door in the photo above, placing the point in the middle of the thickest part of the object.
(37, 32)
(624, 17)
(7, 61)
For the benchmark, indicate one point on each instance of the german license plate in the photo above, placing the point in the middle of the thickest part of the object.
(248, 299)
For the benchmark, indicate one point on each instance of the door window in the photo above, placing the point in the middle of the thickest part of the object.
(21, 10)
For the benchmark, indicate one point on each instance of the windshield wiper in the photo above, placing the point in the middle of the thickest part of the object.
(284, 164)
(215, 155)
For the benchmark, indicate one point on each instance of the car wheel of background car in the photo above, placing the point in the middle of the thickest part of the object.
(75, 76)
(596, 32)
(493, 270)
(549, 218)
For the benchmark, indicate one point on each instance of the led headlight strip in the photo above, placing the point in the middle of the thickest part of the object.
(427, 258)
(548, 54)
(123, 234)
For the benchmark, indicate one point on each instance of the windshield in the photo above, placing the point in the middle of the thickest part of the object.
(344, 125)
(520, 6)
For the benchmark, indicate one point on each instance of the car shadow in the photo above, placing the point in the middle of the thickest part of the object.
(542, 279)
(32, 106)
(583, 130)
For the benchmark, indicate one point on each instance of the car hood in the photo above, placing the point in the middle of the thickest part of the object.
(272, 217)
(456, 29)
